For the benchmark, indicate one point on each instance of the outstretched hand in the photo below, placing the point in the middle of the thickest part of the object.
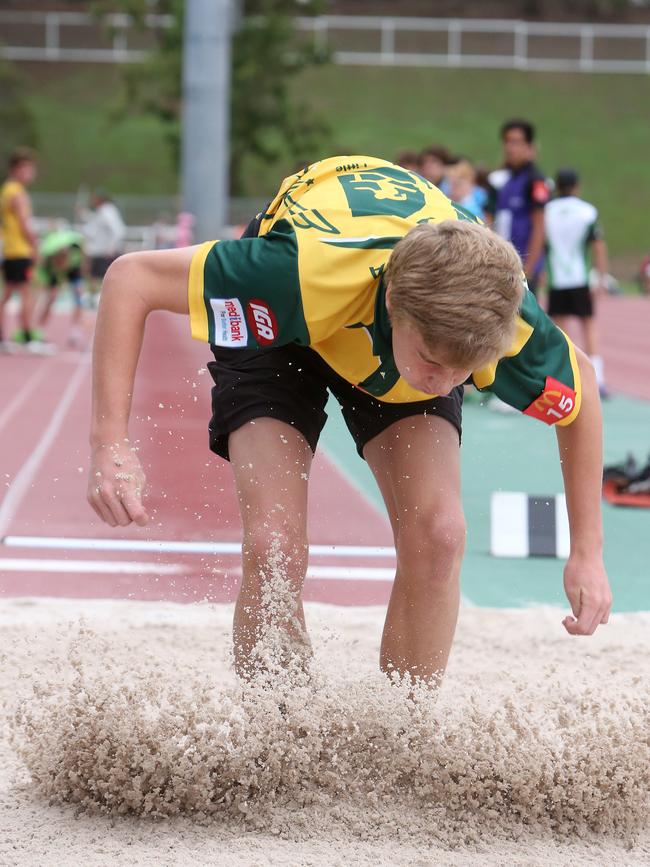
(116, 484)
(587, 589)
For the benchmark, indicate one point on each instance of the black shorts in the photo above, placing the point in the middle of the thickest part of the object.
(17, 270)
(570, 302)
(290, 383)
(54, 277)
(99, 266)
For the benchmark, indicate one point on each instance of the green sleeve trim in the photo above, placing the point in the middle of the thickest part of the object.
(251, 291)
(521, 378)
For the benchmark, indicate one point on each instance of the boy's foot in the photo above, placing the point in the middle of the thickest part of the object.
(8, 347)
(40, 347)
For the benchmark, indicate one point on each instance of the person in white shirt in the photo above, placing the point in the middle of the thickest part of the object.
(104, 231)
(573, 234)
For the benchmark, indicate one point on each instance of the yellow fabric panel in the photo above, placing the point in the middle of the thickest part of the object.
(402, 392)
(336, 281)
(15, 245)
(484, 376)
(198, 314)
(349, 353)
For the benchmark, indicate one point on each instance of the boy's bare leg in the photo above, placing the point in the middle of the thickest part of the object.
(6, 295)
(590, 336)
(46, 309)
(416, 462)
(271, 461)
(26, 306)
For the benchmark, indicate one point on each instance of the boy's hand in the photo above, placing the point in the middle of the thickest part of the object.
(587, 589)
(116, 484)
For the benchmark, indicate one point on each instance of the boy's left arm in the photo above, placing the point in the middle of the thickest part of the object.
(580, 446)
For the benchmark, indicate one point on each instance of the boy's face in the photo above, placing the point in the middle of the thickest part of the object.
(424, 369)
(26, 172)
(516, 150)
(432, 169)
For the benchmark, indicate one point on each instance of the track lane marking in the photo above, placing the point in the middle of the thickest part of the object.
(127, 567)
(177, 547)
(24, 392)
(23, 479)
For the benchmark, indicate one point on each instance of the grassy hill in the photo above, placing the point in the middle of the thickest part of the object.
(597, 123)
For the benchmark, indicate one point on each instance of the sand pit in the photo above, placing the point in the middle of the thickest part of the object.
(128, 740)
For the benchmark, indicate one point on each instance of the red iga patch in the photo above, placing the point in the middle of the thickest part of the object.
(556, 402)
(540, 193)
(262, 321)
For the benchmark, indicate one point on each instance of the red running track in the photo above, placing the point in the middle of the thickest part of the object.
(44, 410)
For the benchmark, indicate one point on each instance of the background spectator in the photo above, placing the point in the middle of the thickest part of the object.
(433, 163)
(409, 160)
(104, 231)
(571, 232)
(463, 189)
(519, 192)
(19, 243)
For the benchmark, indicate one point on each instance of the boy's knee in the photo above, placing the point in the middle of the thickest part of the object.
(434, 540)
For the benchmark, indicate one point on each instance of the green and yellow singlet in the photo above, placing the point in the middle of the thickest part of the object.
(314, 276)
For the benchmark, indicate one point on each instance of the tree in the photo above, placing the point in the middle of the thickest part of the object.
(267, 53)
(16, 120)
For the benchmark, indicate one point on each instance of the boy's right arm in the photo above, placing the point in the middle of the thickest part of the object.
(134, 285)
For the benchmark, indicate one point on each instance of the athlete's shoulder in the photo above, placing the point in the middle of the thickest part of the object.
(539, 185)
(499, 178)
(10, 187)
(536, 173)
(589, 210)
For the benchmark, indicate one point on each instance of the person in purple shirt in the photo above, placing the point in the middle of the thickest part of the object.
(518, 193)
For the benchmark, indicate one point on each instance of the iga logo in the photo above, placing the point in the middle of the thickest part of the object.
(555, 403)
(229, 323)
(262, 321)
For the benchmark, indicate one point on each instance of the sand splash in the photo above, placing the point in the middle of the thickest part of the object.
(324, 746)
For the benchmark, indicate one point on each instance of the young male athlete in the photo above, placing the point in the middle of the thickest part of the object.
(362, 278)
(62, 257)
(518, 193)
(19, 242)
(572, 232)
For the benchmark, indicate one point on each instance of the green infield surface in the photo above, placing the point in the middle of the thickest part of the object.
(513, 453)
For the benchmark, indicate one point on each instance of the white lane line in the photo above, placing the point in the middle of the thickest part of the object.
(353, 574)
(24, 392)
(350, 573)
(127, 567)
(174, 547)
(23, 479)
(135, 567)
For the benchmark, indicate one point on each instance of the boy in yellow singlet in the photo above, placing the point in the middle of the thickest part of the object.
(19, 240)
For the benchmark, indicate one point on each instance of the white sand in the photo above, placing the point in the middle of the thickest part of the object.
(536, 751)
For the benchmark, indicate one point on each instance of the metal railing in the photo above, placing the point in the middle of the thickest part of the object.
(481, 43)
(358, 40)
(76, 36)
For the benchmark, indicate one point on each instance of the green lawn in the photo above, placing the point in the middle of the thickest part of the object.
(596, 123)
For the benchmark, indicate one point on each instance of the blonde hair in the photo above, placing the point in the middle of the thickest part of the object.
(460, 285)
(463, 170)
